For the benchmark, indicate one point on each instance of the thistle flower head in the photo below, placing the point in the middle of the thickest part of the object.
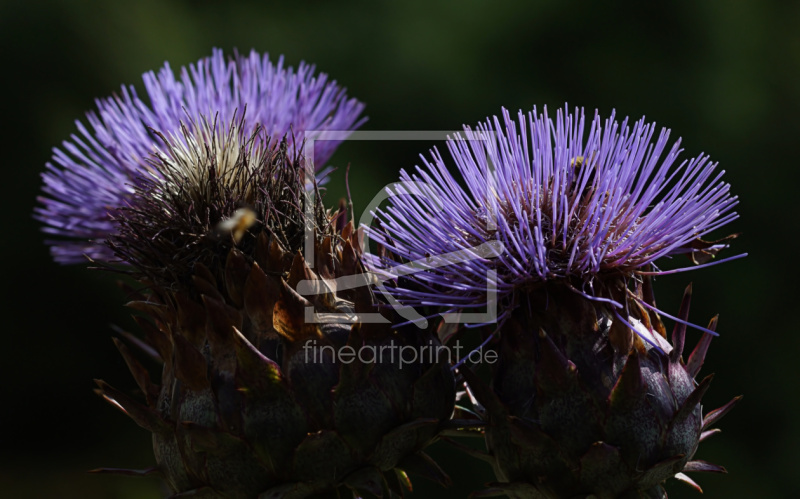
(253, 402)
(554, 203)
(557, 225)
(98, 169)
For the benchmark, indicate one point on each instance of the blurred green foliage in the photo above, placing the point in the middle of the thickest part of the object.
(723, 75)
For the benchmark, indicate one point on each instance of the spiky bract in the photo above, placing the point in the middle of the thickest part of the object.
(98, 169)
(581, 407)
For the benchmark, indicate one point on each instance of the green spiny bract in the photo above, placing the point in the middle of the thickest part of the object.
(252, 401)
(581, 407)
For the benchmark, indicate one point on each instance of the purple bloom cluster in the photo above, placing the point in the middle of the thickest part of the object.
(553, 202)
(94, 172)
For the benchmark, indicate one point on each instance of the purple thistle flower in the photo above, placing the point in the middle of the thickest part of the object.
(95, 171)
(551, 203)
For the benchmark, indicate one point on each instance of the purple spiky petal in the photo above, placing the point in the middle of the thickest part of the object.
(96, 170)
(565, 203)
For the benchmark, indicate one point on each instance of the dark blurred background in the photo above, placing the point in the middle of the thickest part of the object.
(723, 75)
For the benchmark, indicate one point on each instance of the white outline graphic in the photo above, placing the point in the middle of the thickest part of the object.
(489, 249)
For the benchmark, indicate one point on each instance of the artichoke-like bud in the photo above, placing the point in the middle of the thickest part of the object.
(272, 386)
(588, 398)
(581, 406)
